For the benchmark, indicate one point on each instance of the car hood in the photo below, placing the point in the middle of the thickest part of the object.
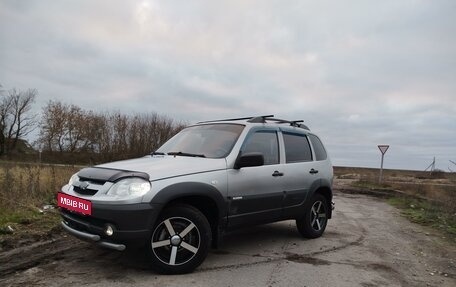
(159, 167)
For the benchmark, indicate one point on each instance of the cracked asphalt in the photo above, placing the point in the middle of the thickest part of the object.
(367, 243)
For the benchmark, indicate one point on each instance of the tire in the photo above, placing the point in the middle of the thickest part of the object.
(315, 219)
(173, 252)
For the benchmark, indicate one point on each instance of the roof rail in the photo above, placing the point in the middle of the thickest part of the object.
(263, 119)
(296, 123)
(239, 119)
(260, 119)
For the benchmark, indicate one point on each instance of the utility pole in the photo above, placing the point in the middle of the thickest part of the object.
(383, 149)
(431, 166)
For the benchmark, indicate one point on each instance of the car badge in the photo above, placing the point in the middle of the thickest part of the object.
(83, 185)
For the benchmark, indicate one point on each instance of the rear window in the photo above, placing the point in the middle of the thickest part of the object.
(297, 148)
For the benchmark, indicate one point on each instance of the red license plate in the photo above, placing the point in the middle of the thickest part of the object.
(74, 203)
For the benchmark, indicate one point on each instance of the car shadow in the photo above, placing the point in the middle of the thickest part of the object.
(254, 239)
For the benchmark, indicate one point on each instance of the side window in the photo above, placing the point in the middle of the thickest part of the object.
(265, 142)
(297, 147)
(320, 152)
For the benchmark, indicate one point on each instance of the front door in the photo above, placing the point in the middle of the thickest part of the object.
(255, 193)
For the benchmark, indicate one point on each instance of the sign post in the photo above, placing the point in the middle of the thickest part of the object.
(383, 149)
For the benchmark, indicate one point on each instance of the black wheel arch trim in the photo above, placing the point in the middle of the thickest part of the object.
(322, 184)
(188, 189)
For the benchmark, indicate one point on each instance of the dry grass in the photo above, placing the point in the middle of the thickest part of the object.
(438, 187)
(423, 197)
(24, 188)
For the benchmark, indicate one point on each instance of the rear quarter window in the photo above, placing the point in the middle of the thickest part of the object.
(319, 149)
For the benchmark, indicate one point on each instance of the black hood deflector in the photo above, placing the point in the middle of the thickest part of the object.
(108, 174)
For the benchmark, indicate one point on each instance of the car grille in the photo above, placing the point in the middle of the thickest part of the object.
(87, 186)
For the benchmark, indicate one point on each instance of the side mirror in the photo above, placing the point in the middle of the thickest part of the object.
(249, 159)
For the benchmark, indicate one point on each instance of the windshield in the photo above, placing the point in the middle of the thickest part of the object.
(211, 140)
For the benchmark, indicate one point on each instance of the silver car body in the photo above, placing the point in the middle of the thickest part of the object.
(219, 172)
(228, 194)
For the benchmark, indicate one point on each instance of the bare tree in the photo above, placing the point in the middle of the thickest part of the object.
(5, 106)
(52, 126)
(75, 129)
(16, 121)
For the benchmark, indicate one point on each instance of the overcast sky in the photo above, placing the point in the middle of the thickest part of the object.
(358, 72)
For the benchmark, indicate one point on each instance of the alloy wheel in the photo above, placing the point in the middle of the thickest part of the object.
(318, 215)
(175, 241)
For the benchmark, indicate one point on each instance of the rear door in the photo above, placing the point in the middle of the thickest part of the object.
(299, 171)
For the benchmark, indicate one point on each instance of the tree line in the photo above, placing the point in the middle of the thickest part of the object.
(67, 133)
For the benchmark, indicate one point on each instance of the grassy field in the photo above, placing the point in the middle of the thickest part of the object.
(28, 192)
(423, 197)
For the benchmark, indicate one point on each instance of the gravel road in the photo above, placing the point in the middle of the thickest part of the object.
(367, 243)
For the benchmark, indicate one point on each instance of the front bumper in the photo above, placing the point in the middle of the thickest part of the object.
(92, 237)
(131, 224)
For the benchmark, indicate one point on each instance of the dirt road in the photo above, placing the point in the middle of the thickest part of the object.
(367, 243)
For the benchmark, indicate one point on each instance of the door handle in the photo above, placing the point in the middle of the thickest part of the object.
(313, 171)
(276, 173)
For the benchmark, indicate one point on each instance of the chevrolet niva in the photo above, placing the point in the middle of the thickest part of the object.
(210, 178)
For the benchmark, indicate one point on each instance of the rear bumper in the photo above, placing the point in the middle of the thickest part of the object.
(131, 224)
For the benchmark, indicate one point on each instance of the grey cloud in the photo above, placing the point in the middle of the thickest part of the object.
(358, 72)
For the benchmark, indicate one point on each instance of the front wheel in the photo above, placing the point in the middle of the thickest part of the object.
(313, 223)
(180, 240)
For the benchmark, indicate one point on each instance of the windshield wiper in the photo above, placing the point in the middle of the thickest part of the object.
(185, 154)
(157, 153)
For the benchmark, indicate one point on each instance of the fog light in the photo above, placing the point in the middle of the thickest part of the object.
(109, 230)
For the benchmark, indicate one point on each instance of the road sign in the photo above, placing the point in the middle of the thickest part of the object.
(383, 148)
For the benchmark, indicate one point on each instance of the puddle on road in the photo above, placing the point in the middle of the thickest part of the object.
(220, 252)
(306, 259)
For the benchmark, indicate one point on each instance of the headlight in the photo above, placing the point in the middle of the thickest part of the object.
(73, 179)
(129, 187)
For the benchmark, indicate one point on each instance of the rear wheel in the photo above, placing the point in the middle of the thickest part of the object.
(313, 223)
(180, 240)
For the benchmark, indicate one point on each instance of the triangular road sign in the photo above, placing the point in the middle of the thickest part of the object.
(383, 148)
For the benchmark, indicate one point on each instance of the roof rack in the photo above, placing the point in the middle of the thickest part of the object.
(260, 119)
(263, 119)
(240, 119)
(296, 123)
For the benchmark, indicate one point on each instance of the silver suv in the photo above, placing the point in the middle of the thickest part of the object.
(210, 178)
